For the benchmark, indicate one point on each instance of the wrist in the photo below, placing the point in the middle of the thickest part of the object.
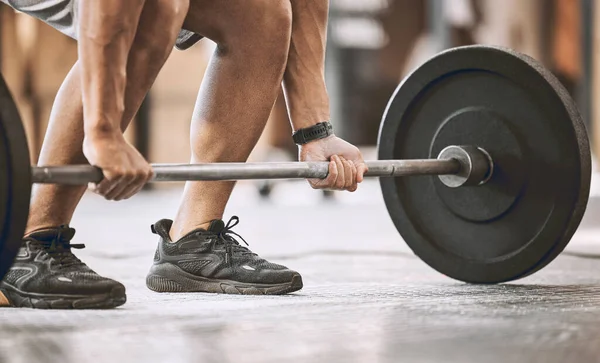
(309, 115)
(102, 137)
(303, 122)
(102, 130)
(308, 109)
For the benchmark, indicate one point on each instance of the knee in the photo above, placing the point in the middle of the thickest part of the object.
(274, 18)
(160, 23)
(263, 27)
(170, 15)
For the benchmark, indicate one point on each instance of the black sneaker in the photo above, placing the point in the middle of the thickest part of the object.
(213, 261)
(47, 275)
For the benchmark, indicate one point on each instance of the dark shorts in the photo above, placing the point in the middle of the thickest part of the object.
(186, 39)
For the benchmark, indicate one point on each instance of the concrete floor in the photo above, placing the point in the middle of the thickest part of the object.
(366, 297)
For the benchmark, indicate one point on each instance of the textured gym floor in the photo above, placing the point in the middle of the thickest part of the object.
(366, 298)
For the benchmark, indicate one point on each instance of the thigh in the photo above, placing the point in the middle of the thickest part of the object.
(217, 20)
(205, 18)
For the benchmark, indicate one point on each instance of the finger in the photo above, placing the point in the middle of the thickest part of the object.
(144, 177)
(134, 192)
(114, 180)
(92, 187)
(95, 185)
(361, 170)
(105, 185)
(134, 186)
(341, 179)
(120, 186)
(149, 174)
(147, 177)
(347, 172)
(354, 185)
(331, 179)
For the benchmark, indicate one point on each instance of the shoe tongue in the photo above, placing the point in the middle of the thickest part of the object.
(216, 226)
(66, 234)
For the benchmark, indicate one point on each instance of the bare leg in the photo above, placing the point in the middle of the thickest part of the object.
(54, 205)
(237, 94)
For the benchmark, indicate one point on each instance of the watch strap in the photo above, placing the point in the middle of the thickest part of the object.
(312, 133)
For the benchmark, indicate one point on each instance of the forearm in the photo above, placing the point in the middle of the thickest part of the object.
(106, 32)
(304, 78)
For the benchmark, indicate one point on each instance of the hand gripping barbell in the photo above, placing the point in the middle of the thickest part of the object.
(497, 151)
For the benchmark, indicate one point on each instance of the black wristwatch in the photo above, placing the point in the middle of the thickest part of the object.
(316, 132)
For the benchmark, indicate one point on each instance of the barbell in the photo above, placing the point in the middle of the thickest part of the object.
(496, 151)
(459, 165)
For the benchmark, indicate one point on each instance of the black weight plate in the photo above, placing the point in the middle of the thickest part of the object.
(15, 179)
(511, 106)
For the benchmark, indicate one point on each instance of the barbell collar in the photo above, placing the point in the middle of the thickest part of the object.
(477, 166)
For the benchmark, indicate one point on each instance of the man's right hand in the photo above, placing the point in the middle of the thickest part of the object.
(125, 169)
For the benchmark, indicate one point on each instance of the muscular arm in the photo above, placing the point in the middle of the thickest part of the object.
(307, 99)
(107, 29)
(106, 32)
(304, 78)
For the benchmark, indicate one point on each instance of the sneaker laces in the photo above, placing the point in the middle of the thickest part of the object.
(226, 237)
(59, 249)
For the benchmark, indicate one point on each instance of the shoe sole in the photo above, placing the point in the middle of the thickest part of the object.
(169, 278)
(12, 297)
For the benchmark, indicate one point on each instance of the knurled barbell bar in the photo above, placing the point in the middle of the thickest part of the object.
(456, 165)
(498, 151)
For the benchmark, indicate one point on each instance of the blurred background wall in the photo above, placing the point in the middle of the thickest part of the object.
(372, 45)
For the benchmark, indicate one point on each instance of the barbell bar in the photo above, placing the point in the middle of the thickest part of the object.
(461, 165)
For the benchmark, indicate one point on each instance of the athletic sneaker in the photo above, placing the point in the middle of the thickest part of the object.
(214, 261)
(47, 275)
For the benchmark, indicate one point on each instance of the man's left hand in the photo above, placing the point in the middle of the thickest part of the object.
(346, 164)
